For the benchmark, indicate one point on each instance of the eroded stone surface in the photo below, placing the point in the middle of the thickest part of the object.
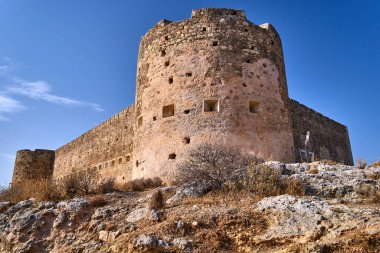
(215, 78)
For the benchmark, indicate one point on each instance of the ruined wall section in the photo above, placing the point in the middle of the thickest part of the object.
(32, 165)
(328, 138)
(106, 148)
(213, 78)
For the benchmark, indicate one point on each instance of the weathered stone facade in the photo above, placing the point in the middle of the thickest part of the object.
(328, 139)
(216, 78)
(32, 165)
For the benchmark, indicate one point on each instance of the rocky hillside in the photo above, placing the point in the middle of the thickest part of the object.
(340, 212)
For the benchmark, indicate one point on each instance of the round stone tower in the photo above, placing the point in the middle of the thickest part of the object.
(215, 78)
(32, 165)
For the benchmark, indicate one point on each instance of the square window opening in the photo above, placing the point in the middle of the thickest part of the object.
(172, 156)
(163, 53)
(154, 118)
(203, 29)
(211, 105)
(168, 111)
(128, 158)
(186, 140)
(214, 43)
(254, 106)
(186, 111)
(112, 162)
(167, 63)
(170, 80)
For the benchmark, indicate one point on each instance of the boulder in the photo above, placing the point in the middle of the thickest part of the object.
(137, 214)
(146, 242)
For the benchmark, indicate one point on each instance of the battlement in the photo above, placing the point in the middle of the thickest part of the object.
(216, 12)
(32, 165)
(213, 78)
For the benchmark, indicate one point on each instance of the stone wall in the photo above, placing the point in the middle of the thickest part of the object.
(32, 165)
(328, 138)
(107, 148)
(215, 77)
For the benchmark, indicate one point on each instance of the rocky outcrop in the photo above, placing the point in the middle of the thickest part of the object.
(339, 213)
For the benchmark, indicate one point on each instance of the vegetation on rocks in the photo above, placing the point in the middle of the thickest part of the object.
(257, 207)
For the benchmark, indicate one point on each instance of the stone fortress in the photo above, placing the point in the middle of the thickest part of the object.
(214, 78)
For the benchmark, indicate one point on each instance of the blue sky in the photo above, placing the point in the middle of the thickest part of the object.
(66, 66)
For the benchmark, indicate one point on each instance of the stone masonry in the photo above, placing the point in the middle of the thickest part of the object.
(215, 78)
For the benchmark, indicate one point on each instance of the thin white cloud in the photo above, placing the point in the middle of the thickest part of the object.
(38, 90)
(41, 90)
(9, 105)
(9, 158)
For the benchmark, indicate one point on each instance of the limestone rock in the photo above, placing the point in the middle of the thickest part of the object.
(146, 242)
(137, 214)
(183, 244)
(192, 189)
(73, 205)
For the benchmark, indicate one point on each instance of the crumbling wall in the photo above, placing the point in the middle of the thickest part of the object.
(32, 165)
(328, 138)
(216, 78)
(106, 148)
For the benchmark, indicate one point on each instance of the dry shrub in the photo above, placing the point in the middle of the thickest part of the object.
(265, 181)
(79, 183)
(214, 164)
(329, 162)
(69, 186)
(97, 201)
(374, 175)
(375, 164)
(87, 180)
(157, 201)
(141, 184)
(313, 170)
(41, 190)
(376, 197)
(361, 163)
(106, 185)
(370, 192)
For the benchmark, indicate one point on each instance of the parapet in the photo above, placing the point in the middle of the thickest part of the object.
(33, 165)
(214, 12)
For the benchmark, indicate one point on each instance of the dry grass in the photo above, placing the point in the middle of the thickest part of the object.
(313, 170)
(264, 181)
(39, 189)
(77, 184)
(357, 243)
(97, 201)
(157, 201)
(370, 192)
(106, 186)
(329, 162)
(374, 175)
(361, 163)
(140, 184)
(375, 164)
(213, 164)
